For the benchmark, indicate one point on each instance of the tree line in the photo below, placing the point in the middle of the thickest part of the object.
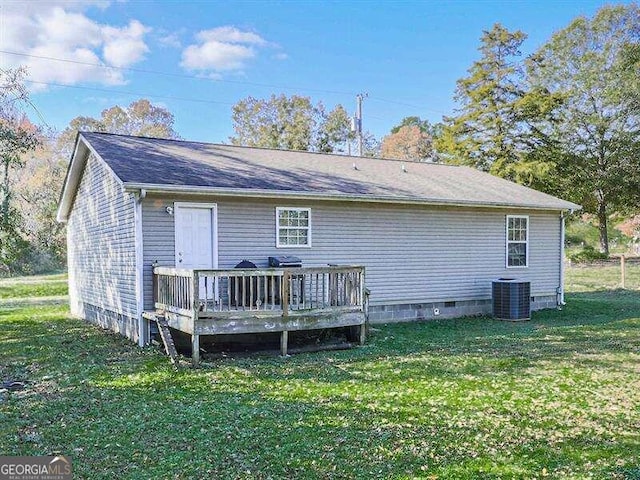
(564, 120)
(34, 162)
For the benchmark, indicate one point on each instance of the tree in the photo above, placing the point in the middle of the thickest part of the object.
(38, 183)
(17, 136)
(280, 122)
(334, 131)
(37, 188)
(494, 129)
(482, 134)
(414, 121)
(290, 123)
(593, 64)
(371, 146)
(140, 118)
(408, 143)
(412, 139)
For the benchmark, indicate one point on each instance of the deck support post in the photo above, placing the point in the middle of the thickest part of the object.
(194, 300)
(363, 333)
(195, 349)
(284, 342)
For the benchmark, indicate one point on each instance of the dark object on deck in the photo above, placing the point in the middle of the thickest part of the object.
(282, 261)
(246, 264)
(285, 261)
(511, 299)
(244, 290)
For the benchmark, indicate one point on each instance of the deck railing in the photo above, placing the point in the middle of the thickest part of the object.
(282, 291)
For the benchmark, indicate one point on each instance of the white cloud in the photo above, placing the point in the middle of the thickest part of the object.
(29, 8)
(228, 34)
(216, 56)
(222, 49)
(170, 40)
(125, 46)
(63, 30)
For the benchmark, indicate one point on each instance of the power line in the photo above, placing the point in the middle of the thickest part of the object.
(39, 113)
(196, 77)
(175, 75)
(26, 100)
(407, 105)
(166, 97)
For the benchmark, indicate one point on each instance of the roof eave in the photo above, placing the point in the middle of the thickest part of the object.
(71, 179)
(297, 195)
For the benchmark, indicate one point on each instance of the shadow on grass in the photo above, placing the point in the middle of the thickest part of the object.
(424, 398)
(587, 324)
(591, 328)
(592, 324)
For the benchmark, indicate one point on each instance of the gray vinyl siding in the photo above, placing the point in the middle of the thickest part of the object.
(412, 254)
(101, 250)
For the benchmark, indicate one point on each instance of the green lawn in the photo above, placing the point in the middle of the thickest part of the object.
(30, 287)
(556, 397)
(586, 279)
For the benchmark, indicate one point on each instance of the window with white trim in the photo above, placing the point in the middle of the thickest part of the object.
(517, 241)
(293, 227)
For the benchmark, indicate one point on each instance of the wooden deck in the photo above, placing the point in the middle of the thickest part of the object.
(235, 301)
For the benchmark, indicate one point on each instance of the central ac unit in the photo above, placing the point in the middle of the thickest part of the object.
(511, 299)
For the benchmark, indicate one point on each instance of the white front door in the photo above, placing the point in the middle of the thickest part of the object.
(195, 235)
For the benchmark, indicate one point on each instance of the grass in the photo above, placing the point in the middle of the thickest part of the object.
(30, 287)
(589, 278)
(556, 397)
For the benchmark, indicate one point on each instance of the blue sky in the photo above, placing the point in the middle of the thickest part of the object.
(208, 55)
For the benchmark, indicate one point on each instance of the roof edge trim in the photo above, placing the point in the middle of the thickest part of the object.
(72, 179)
(258, 193)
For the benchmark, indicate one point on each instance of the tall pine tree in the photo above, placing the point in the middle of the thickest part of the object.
(494, 129)
(484, 133)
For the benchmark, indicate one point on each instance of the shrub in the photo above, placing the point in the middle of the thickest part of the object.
(588, 254)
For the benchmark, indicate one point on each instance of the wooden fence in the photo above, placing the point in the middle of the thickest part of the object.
(620, 272)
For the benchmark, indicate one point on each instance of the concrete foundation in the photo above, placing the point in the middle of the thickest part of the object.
(409, 312)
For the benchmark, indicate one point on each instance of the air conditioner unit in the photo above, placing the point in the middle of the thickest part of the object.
(511, 299)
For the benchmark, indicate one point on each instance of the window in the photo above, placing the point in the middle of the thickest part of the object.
(517, 241)
(293, 227)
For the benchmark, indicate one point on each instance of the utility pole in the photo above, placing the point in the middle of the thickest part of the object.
(357, 124)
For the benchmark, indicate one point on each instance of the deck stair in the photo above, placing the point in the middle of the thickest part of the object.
(165, 334)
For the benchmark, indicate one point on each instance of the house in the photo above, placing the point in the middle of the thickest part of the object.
(431, 237)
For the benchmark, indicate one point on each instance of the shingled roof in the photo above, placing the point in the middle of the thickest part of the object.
(176, 165)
